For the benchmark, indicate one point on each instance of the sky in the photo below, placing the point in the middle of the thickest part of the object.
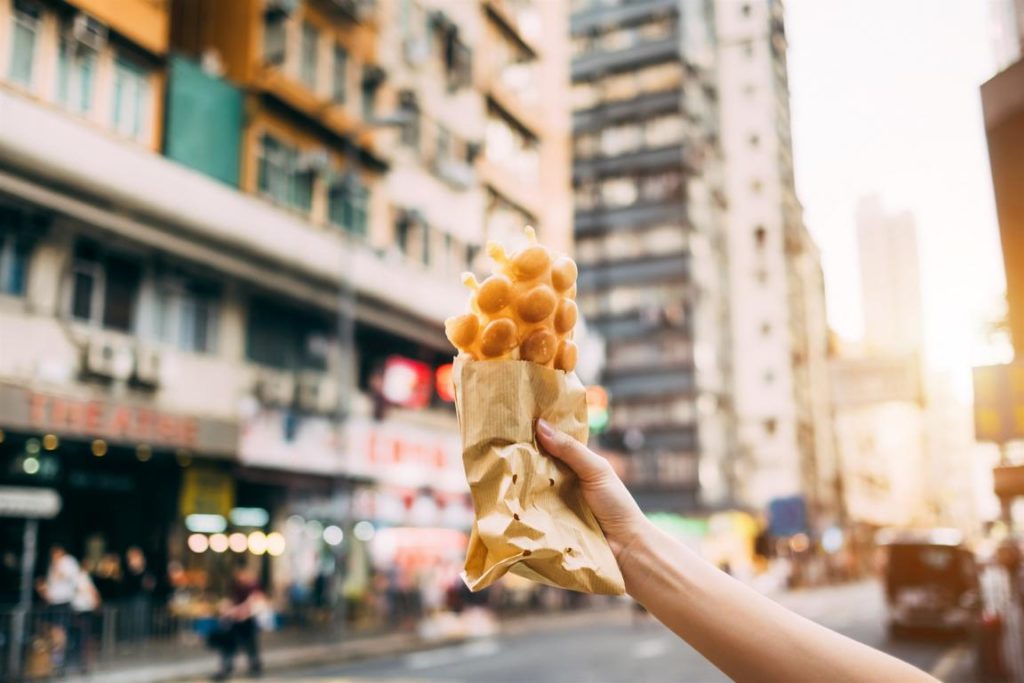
(885, 100)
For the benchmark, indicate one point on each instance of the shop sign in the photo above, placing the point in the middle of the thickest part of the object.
(999, 403)
(206, 491)
(404, 455)
(29, 503)
(38, 411)
(282, 439)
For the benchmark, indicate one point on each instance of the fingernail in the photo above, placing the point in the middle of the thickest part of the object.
(545, 429)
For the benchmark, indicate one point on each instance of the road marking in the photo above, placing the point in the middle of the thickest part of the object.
(650, 648)
(450, 655)
(948, 661)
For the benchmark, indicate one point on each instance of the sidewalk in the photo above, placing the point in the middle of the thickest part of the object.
(203, 664)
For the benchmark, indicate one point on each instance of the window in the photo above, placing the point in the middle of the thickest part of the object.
(348, 206)
(755, 139)
(339, 87)
(756, 186)
(280, 178)
(410, 131)
(412, 234)
(760, 236)
(25, 33)
(76, 73)
(104, 289)
(371, 81)
(745, 9)
(310, 47)
(618, 192)
(443, 150)
(187, 315)
(274, 38)
(770, 426)
(282, 337)
(131, 96)
(14, 255)
(769, 377)
(766, 329)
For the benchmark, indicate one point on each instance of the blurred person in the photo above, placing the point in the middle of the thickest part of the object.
(138, 585)
(106, 577)
(239, 623)
(745, 634)
(85, 612)
(58, 590)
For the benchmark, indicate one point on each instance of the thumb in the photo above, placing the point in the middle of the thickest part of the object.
(588, 465)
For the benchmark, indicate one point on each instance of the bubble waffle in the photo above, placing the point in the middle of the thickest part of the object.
(526, 310)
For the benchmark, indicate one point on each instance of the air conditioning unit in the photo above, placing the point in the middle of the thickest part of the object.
(86, 32)
(148, 362)
(318, 393)
(314, 161)
(276, 388)
(457, 173)
(416, 50)
(109, 356)
(357, 10)
(281, 7)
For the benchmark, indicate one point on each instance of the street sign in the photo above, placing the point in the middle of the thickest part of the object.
(999, 403)
(29, 503)
(787, 516)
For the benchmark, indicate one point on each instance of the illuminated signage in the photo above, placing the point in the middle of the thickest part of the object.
(407, 383)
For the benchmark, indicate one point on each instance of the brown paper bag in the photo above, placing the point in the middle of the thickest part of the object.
(531, 518)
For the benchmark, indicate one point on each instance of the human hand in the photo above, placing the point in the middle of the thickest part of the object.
(616, 511)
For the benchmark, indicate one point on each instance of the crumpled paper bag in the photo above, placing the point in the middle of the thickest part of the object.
(531, 518)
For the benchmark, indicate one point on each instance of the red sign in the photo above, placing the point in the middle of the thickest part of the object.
(407, 383)
(98, 419)
(443, 383)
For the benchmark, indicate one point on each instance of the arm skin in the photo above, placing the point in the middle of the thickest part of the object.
(745, 634)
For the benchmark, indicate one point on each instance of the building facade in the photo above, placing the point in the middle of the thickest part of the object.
(777, 299)
(224, 273)
(650, 241)
(1002, 99)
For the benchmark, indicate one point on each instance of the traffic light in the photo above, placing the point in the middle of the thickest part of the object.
(597, 409)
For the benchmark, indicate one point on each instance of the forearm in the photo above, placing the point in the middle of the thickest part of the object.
(745, 634)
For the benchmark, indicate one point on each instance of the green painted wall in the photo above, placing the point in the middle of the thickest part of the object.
(204, 121)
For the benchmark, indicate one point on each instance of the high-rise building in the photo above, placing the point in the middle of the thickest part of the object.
(229, 235)
(650, 241)
(1002, 99)
(777, 298)
(890, 279)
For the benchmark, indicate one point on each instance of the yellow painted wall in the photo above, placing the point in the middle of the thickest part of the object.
(145, 22)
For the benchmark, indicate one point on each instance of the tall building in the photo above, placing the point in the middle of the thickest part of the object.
(777, 298)
(650, 241)
(890, 278)
(229, 235)
(1002, 100)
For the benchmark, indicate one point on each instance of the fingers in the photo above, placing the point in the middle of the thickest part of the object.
(587, 464)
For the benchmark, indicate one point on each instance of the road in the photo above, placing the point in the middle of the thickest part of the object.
(612, 649)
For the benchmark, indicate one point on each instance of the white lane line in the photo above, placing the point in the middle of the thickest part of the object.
(449, 655)
(649, 649)
(949, 660)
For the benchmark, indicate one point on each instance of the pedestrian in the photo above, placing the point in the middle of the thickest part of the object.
(138, 585)
(107, 578)
(238, 623)
(84, 606)
(742, 632)
(58, 590)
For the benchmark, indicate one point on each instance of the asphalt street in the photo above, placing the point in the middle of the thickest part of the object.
(612, 648)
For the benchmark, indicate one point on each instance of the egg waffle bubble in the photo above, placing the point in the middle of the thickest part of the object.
(526, 310)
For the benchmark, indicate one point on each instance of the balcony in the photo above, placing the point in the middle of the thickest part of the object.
(597, 18)
(636, 325)
(642, 107)
(596, 64)
(515, 185)
(647, 270)
(664, 383)
(120, 189)
(642, 160)
(508, 16)
(628, 217)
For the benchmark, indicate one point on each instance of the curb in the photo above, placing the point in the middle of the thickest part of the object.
(285, 658)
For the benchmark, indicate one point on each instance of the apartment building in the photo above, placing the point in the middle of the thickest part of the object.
(777, 298)
(650, 241)
(222, 225)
